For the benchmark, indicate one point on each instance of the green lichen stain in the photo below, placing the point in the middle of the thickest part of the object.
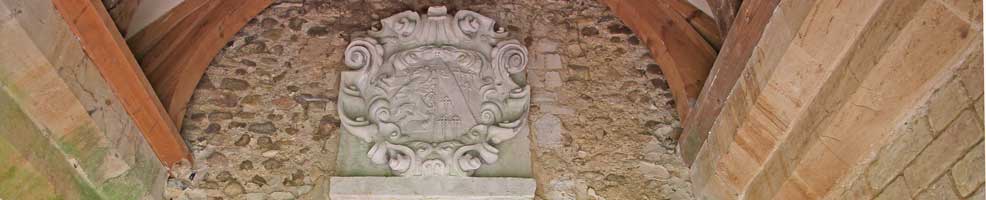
(138, 181)
(30, 167)
(123, 189)
(83, 144)
(18, 178)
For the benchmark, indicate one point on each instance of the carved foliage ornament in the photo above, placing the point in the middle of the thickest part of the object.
(435, 94)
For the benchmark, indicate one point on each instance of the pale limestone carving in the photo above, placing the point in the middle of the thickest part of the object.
(434, 94)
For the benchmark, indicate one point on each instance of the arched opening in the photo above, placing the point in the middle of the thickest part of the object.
(263, 122)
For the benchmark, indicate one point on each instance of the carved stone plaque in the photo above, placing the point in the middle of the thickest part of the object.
(434, 95)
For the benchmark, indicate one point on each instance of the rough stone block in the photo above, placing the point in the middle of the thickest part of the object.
(940, 190)
(543, 97)
(556, 109)
(896, 190)
(552, 80)
(793, 190)
(545, 46)
(971, 73)
(894, 157)
(978, 195)
(946, 103)
(552, 61)
(944, 151)
(967, 9)
(968, 172)
(437, 188)
(979, 109)
(548, 131)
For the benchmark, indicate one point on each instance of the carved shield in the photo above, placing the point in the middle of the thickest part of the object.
(434, 94)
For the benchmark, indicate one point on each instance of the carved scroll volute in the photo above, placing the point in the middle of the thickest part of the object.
(402, 24)
(475, 25)
(511, 57)
(362, 55)
(434, 95)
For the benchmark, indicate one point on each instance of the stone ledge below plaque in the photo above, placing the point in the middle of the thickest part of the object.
(431, 187)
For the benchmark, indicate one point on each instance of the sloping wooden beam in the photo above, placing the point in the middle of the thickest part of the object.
(175, 64)
(144, 40)
(123, 13)
(726, 71)
(725, 11)
(103, 43)
(683, 55)
(701, 22)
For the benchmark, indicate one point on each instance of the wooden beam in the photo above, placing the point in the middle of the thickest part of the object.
(123, 13)
(144, 40)
(701, 22)
(175, 64)
(725, 11)
(682, 53)
(726, 71)
(103, 44)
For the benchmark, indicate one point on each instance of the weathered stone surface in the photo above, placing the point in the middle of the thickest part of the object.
(66, 134)
(979, 108)
(556, 109)
(544, 97)
(545, 46)
(552, 80)
(233, 188)
(258, 180)
(978, 195)
(896, 190)
(296, 23)
(431, 187)
(265, 143)
(971, 73)
(654, 69)
(263, 128)
(234, 84)
(552, 61)
(969, 172)
(942, 189)
(243, 141)
(894, 157)
(246, 165)
(220, 116)
(255, 196)
(281, 196)
(213, 128)
(944, 150)
(654, 171)
(590, 31)
(548, 131)
(946, 103)
(317, 31)
(968, 11)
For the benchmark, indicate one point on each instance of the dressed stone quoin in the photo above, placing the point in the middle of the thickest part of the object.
(434, 94)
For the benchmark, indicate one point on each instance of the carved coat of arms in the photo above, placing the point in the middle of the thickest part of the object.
(434, 94)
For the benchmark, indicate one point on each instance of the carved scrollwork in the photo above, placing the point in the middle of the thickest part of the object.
(434, 95)
(510, 55)
(363, 52)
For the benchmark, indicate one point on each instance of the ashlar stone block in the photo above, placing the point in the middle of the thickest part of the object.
(434, 106)
(946, 103)
(944, 151)
(940, 190)
(968, 172)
